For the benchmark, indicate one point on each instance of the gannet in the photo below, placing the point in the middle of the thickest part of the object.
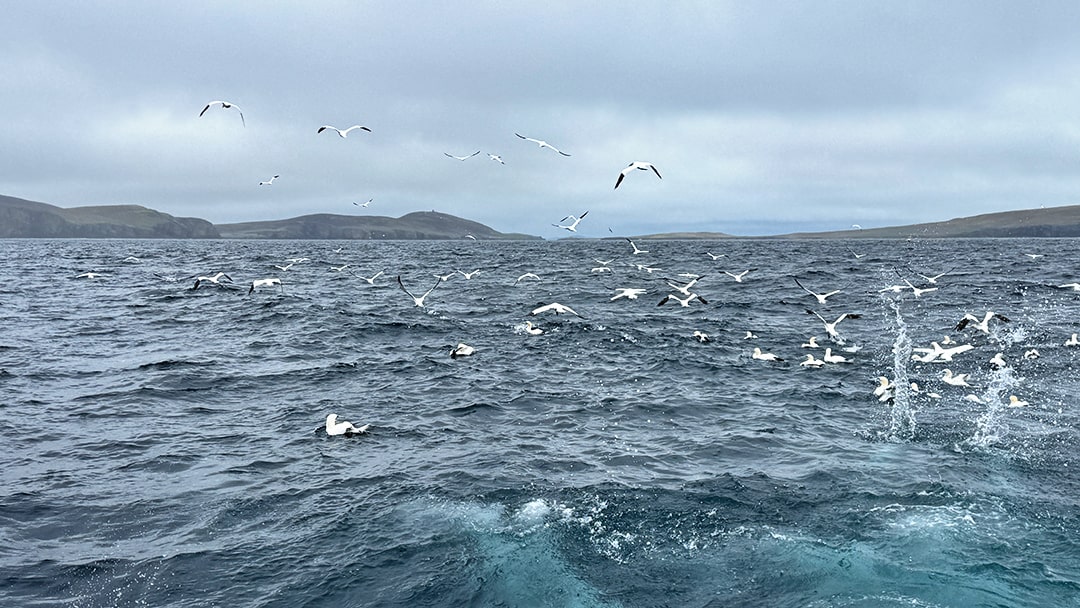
(1072, 341)
(701, 336)
(556, 308)
(984, 325)
(936, 352)
(739, 277)
(333, 427)
(685, 303)
(572, 227)
(820, 296)
(764, 356)
(461, 350)
(636, 250)
(370, 280)
(462, 158)
(419, 301)
(527, 275)
(216, 280)
(630, 293)
(885, 390)
(828, 357)
(1015, 401)
(683, 289)
(812, 343)
(369, 201)
(542, 144)
(811, 361)
(343, 132)
(830, 328)
(226, 105)
(1072, 286)
(469, 275)
(265, 283)
(270, 181)
(1031, 354)
(637, 164)
(496, 158)
(532, 330)
(956, 380)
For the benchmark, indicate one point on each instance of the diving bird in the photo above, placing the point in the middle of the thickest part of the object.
(226, 105)
(636, 250)
(984, 325)
(343, 132)
(333, 427)
(572, 227)
(637, 164)
(270, 181)
(462, 158)
(830, 328)
(419, 301)
(542, 144)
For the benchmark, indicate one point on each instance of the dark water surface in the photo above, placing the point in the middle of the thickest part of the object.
(160, 444)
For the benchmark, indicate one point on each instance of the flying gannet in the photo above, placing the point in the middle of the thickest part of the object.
(542, 144)
(419, 301)
(637, 164)
(226, 105)
(343, 132)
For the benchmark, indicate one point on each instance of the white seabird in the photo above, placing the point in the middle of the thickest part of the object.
(936, 352)
(701, 336)
(469, 275)
(215, 279)
(333, 427)
(637, 164)
(684, 302)
(811, 343)
(885, 390)
(370, 280)
(343, 132)
(830, 328)
(265, 283)
(630, 293)
(998, 361)
(541, 143)
(461, 350)
(496, 158)
(764, 356)
(532, 330)
(419, 301)
(1015, 401)
(1072, 341)
(811, 361)
(226, 105)
(739, 277)
(269, 182)
(984, 325)
(527, 275)
(636, 250)
(1072, 286)
(828, 357)
(89, 275)
(821, 297)
(572, 227)
(369, 201)
(556, 308)
(462, 158)
(956, 380)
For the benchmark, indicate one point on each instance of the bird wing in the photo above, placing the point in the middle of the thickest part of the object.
(653, 167)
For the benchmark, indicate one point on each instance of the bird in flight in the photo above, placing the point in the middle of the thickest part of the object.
(419, 301)
(572, 227)
(369, 201)
(342, 132)
(637, 164)
(226, 105)
(541, 143)
(496, 158)
(462, 158)
(270, 181)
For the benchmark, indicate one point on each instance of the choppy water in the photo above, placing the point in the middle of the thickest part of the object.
(160, 444)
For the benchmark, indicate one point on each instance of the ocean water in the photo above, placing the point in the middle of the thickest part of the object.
(162, 446)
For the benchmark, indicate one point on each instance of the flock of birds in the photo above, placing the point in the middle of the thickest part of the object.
(344, 133)
(683, 289)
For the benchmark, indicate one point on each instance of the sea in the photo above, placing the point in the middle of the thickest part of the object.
(166, 446)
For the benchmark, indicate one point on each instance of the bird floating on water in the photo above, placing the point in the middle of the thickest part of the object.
(461, 350)
(764, 356)
(333, 427)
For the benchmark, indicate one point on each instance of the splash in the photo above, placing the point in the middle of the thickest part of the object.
(902, 413)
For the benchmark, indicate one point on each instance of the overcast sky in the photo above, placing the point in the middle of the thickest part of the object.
(762, 117)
